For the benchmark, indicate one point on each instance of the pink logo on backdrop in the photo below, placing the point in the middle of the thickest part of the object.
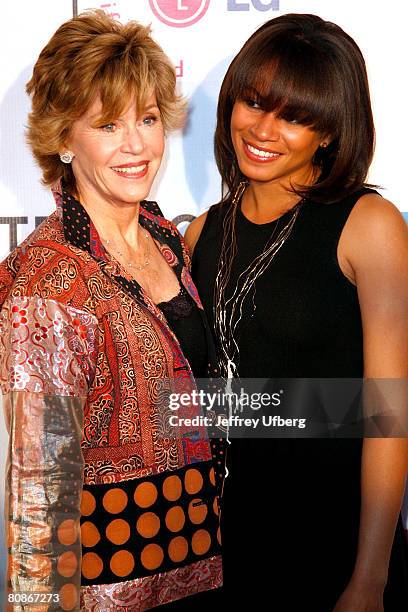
(179, 13)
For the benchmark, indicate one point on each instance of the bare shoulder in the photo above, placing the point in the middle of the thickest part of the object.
(376, 214)
(194, 230)
(376, 231)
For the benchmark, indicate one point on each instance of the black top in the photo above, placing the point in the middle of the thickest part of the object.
(307, 318)
(292, 506)
(186, 323)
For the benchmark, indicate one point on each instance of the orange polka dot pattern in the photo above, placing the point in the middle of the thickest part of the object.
(63, 567)
(140, 527)
(67, 563)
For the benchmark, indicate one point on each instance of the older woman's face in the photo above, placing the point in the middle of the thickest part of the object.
(117, 162)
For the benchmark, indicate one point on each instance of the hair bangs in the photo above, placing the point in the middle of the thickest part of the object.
(289, 82)
(119, 83)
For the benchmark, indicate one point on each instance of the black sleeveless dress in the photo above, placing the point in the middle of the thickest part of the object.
(291, 506)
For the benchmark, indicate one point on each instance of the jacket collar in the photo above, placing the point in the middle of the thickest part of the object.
(80, 232)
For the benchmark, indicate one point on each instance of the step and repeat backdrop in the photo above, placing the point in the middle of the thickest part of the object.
(201, 37)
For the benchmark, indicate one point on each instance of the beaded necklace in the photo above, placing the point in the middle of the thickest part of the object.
(226, 326)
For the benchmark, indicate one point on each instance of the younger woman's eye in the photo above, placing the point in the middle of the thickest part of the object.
(290, 120)
(252, 103)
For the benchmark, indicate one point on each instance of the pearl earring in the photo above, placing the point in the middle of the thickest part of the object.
(66, 157)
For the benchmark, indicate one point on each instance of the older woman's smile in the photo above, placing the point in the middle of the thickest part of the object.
(132, 171)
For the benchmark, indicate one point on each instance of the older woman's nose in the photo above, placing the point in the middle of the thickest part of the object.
(266, 126)
(133, 141)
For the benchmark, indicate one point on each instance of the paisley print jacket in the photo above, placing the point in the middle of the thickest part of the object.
(107, 508)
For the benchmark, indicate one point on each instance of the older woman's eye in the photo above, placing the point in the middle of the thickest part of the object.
(150, 119)
(108, 127)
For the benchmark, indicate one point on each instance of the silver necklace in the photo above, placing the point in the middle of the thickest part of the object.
(131, 265)
(226, 325)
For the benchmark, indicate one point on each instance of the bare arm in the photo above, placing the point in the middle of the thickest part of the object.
(376, 240)
(193, 232)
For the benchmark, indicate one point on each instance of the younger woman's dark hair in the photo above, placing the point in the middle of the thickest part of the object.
(305, 69)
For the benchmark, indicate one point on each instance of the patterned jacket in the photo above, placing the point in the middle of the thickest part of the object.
(108, 508)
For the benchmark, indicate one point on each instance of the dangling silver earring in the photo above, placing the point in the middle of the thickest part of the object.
(66, 157)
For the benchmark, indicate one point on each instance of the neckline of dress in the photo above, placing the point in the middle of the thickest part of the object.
(182, 294)
(268, 224)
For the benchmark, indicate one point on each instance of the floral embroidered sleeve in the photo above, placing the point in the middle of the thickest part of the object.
(46, 366)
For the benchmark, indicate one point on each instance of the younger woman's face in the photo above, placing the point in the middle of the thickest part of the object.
(270, 149)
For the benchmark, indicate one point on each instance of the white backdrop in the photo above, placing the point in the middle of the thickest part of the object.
(201, 37)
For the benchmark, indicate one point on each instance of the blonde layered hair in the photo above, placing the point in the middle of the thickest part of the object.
(88, 56)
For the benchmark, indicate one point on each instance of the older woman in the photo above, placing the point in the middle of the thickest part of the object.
(303, 271)
(100, 321)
